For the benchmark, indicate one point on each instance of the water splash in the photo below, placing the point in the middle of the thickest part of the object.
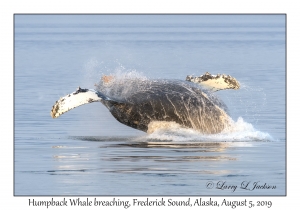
(239, 131)
(121, 83)
(249, 102)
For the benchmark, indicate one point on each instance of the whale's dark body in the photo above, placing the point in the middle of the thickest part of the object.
(170, 101)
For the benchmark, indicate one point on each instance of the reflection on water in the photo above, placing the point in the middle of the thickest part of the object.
(169, 159)
(126, 155)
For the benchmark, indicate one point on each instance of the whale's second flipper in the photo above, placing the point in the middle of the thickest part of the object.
(75, 99)
(215, 82)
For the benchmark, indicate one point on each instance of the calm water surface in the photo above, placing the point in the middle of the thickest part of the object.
(88, 152)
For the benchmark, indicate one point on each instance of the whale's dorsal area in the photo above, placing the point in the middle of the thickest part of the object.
(147, 104)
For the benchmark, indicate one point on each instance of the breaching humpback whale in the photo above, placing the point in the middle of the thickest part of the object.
(189, 103)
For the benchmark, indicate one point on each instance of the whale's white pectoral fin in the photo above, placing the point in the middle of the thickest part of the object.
(73, 100)
(215, 82)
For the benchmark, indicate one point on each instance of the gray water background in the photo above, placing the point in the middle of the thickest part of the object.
(87, 152)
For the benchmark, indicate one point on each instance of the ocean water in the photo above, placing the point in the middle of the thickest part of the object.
(88, 152)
